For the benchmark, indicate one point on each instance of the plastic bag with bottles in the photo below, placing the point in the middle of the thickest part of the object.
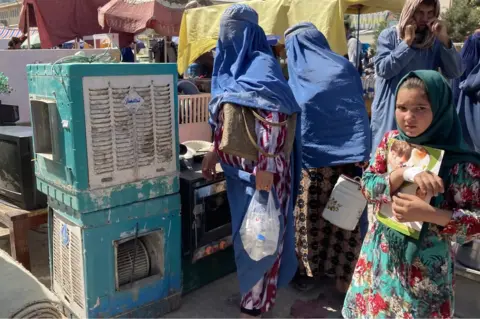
(261, 226)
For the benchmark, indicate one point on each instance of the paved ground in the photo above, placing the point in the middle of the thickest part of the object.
(216, 301)
(219, 299)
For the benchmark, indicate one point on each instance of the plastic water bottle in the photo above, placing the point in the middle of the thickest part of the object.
(260, 228)
(265, 243)
(257, 251)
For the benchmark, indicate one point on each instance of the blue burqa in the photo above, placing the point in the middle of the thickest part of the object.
(246, 73)
(467, 92)
(393, 61)
(335, 126)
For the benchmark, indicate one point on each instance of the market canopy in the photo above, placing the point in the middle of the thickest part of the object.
(135, 16)
(8, 33)
(59, 21)
(200, 27)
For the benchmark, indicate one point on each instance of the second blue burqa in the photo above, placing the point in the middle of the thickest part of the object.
(246, 73)
(467, 92)
(335, 127)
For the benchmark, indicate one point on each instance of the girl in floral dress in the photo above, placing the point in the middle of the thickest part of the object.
(397, 276)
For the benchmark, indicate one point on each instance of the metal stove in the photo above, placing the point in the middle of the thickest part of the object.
(206, 228)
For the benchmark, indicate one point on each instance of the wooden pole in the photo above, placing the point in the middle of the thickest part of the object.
(165, 49)
(135, 51)
(28, 26)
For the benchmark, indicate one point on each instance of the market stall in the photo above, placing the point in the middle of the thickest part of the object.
(59, 21)
(134, 17)
(199, 28)
(161, 17)
(8, 33)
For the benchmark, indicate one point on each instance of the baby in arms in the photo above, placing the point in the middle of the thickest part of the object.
(402, 154)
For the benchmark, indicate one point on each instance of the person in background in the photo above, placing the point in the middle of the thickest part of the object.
(158, 51)
(354, 47)
(127, 53)
(419, 42)
(16, 43)
(398, 276)
(247, 74)
(202, 67)
(467, 92)
(335, 136)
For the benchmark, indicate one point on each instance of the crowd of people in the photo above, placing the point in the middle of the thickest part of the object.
(380, 272)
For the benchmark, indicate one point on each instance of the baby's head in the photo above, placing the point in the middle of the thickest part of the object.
(399, 154)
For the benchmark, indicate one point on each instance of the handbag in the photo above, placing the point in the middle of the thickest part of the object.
(239, 137)
(346, 203)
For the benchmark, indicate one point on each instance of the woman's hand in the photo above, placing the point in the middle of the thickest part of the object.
(208, 166)
(264, 180)
(429, 183)
(410, 208)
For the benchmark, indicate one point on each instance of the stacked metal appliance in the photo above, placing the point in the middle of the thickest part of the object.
(207, 250)
(106, 144)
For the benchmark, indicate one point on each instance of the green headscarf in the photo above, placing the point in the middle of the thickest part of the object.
(444, 133)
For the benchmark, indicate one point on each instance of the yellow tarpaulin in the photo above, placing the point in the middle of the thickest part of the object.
(200, 26)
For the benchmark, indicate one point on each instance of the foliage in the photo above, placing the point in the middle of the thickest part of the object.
(4, 87)
(462, 18)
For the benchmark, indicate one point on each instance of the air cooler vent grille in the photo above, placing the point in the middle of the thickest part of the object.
(101, 131)
(126, 260)
(68, 262)
(137, 139)
(133, 134)
(161, 96)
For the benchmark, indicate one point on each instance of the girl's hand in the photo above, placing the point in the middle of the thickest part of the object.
(410, 208)
(429, 183)
(264, 180)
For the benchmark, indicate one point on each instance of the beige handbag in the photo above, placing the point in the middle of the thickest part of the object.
(239, 137)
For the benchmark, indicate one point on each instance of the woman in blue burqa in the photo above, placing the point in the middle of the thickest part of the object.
(247, 74)
(466, 90)
(335, 136)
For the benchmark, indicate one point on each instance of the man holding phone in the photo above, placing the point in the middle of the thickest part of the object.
(420, 41)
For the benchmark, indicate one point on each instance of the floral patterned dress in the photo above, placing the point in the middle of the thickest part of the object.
(261, 298)
(379, 288)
